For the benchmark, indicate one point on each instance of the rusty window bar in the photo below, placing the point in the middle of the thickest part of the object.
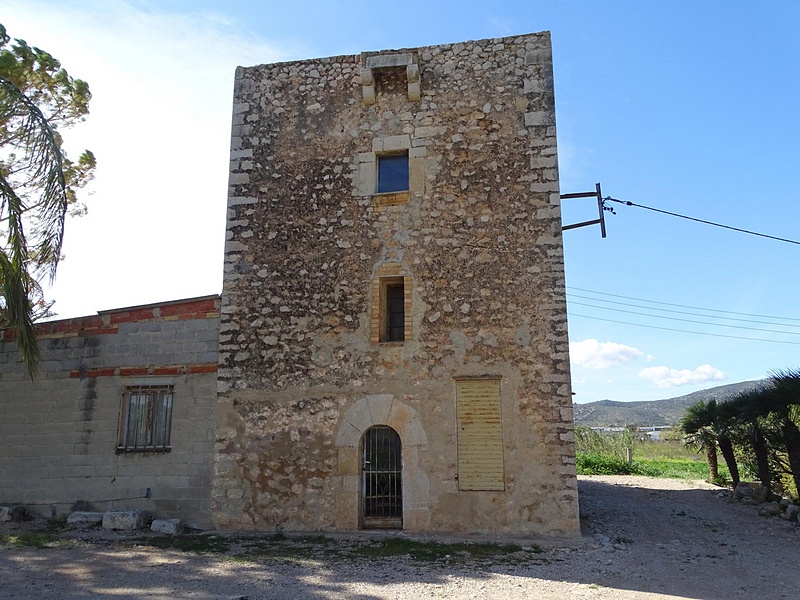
(146, 419)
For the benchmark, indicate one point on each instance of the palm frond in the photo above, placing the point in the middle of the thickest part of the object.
(15, 285)
(43, 171)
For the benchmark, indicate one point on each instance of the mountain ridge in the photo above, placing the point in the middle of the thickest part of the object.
(668, 411)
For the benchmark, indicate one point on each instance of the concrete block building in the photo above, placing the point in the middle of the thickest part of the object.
(393, 336)
(390, 347)
(120, 415)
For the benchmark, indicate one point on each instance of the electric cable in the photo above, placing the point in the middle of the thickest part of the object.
(735, 337)
(679, 312)
(666, 212)
(727, 312)
(633, 312)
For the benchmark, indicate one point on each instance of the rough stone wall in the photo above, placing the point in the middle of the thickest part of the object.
(477, 239)
(58, 433)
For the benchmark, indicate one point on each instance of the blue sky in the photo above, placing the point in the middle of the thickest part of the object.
(689, 107)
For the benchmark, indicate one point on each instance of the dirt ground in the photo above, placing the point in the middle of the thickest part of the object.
(644, 538)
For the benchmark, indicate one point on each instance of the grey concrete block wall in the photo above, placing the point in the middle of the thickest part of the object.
(59, 433)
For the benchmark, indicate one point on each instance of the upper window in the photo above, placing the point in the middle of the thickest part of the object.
(393, 173)
(146, 419)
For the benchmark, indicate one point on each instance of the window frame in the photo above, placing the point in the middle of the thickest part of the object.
(150, 432)
(386, 159)
(389, 274)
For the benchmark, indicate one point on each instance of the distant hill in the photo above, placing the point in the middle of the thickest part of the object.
(608, 413)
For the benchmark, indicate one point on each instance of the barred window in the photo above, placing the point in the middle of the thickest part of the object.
(146, 419)
(394, 311)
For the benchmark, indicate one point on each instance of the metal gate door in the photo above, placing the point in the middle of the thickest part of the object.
(382, 485)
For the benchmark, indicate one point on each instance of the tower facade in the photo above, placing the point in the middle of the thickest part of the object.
(393, 333)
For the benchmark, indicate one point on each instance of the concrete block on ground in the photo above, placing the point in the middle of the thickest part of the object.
(770, 509)
(12, 513)
(124, 519)
(792, 512)
(168, 526)
(83, 518)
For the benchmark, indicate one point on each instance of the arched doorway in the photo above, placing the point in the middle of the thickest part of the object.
(381, 479)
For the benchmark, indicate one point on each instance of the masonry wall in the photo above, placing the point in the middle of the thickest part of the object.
(477, 239)
(59, 433)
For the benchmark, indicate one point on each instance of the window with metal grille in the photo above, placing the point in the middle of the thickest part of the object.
(393, 173)
(392, 316)
(146, 419)
(395, 312)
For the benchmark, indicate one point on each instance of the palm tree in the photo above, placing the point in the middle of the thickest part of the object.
(723, 424)
(783, 401)
(28, 129)
(696, 424)
(37, 181)
(748, 408)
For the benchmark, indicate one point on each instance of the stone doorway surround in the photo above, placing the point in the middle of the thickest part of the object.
(381, 409)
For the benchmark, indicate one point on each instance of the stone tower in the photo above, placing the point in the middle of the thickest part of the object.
(393, 336)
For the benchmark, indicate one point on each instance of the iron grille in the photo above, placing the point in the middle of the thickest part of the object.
(146, 419)
(382, 479)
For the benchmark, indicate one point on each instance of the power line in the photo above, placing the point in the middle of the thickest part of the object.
(727, 312)
(735, 337)
(679, 312)
(666, 212)
(633, 312)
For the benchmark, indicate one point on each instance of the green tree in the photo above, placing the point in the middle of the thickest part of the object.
(782, 401)
(696, 425)
(715, 420)
(749, 409)
(38, 182)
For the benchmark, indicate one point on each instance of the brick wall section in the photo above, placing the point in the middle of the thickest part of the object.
(478, 235)
(58, 434)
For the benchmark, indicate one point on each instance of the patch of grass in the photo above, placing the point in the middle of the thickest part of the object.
(201, 544)
(600, 464)
(314, 539)
(315, 549)
(666, 451)
(29, 539)
(653, 459)
(287, 549)
(241, 548)
(433, 551)
(677, 468)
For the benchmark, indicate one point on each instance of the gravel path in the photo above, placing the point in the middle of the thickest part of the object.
(645, 538)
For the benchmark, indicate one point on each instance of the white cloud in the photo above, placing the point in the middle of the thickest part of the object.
(664, 377)
(602, 355)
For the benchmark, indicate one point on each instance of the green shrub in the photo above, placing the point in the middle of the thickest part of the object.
(589, 441)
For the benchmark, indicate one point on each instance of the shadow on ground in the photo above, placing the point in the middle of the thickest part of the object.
(642, 541)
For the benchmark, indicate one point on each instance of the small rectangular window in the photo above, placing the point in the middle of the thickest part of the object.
(395, 313)
(390, 306)
(392, 315)
(393, 173)
(146, 419)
